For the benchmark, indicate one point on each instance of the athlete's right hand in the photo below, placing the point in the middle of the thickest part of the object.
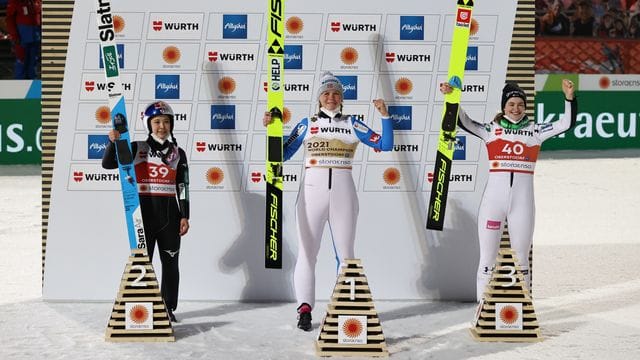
(114, 135)
(445, 88)
(266, 119)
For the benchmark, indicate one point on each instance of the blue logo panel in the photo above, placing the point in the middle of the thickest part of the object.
(411, 27)
(350, 87)
(96, 145)
(167, 86)
(223, 117)
(293, 57)
(120, 48)
(234, 26)
(401, 116)
(472, 58)
(460, 149)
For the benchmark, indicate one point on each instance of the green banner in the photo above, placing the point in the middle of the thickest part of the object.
(606, 120)
(20, 128)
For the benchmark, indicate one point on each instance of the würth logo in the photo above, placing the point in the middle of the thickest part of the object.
(213, 56)
(335, 26)
(89, 85)
(157, 25)
(390, 57)
(78, 176)
(201, 146)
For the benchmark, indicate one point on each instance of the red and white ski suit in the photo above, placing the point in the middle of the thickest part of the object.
(509, 192)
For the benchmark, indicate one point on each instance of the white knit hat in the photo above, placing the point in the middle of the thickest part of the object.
(329, 82)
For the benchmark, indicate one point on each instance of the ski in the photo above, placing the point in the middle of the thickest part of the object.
(447, 138)
(275, 105)
(119, 121)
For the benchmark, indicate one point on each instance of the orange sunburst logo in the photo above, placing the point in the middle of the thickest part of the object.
(391, 176)
(171, 54)
(495, 164)
(349, 55)
(227, 85)
(215, 175)
(352, 328)
(313, 162)
(286, 115)
(604, 82)
(404, 86)
(509, 314)
(294, 25)
(118, 23)
(139, 314)
(474, 27)
(103, 115)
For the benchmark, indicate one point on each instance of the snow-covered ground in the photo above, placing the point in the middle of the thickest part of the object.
(586, 286)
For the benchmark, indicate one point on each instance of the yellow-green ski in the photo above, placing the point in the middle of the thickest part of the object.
(275, 105)
(447, 138)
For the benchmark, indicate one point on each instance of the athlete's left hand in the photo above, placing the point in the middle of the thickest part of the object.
(568, 89)
(184, 226)
(381, 107)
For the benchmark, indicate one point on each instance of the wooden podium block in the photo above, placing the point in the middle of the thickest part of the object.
(506, 312)
(139, 291)
(351, 310)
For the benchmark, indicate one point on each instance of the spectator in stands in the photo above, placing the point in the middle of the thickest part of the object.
(606, 24)
(23, 24)
(555, 22)
(634, 28)
(619, 31)
(584, 22)
(599, 8)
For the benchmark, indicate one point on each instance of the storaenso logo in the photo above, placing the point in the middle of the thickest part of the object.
(437, 205)
(105, 21)
(273, 228)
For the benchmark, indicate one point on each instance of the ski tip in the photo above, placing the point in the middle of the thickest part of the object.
(455, 82)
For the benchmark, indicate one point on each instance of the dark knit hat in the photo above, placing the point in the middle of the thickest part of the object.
(512, 90)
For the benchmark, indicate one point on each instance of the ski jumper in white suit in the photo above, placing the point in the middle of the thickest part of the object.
(327, 192)
(509, 191)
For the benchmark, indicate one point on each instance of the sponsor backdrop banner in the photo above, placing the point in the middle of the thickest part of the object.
(608, 114)
(207, 59)
(20, 122)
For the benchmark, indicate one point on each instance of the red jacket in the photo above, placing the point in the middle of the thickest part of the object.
(23, 20)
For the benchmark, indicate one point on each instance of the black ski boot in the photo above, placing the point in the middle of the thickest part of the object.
(171, 316)
(304, 317)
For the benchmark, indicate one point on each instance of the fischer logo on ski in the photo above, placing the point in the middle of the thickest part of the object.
(275, 105)
(128, 184)
(447, 138)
